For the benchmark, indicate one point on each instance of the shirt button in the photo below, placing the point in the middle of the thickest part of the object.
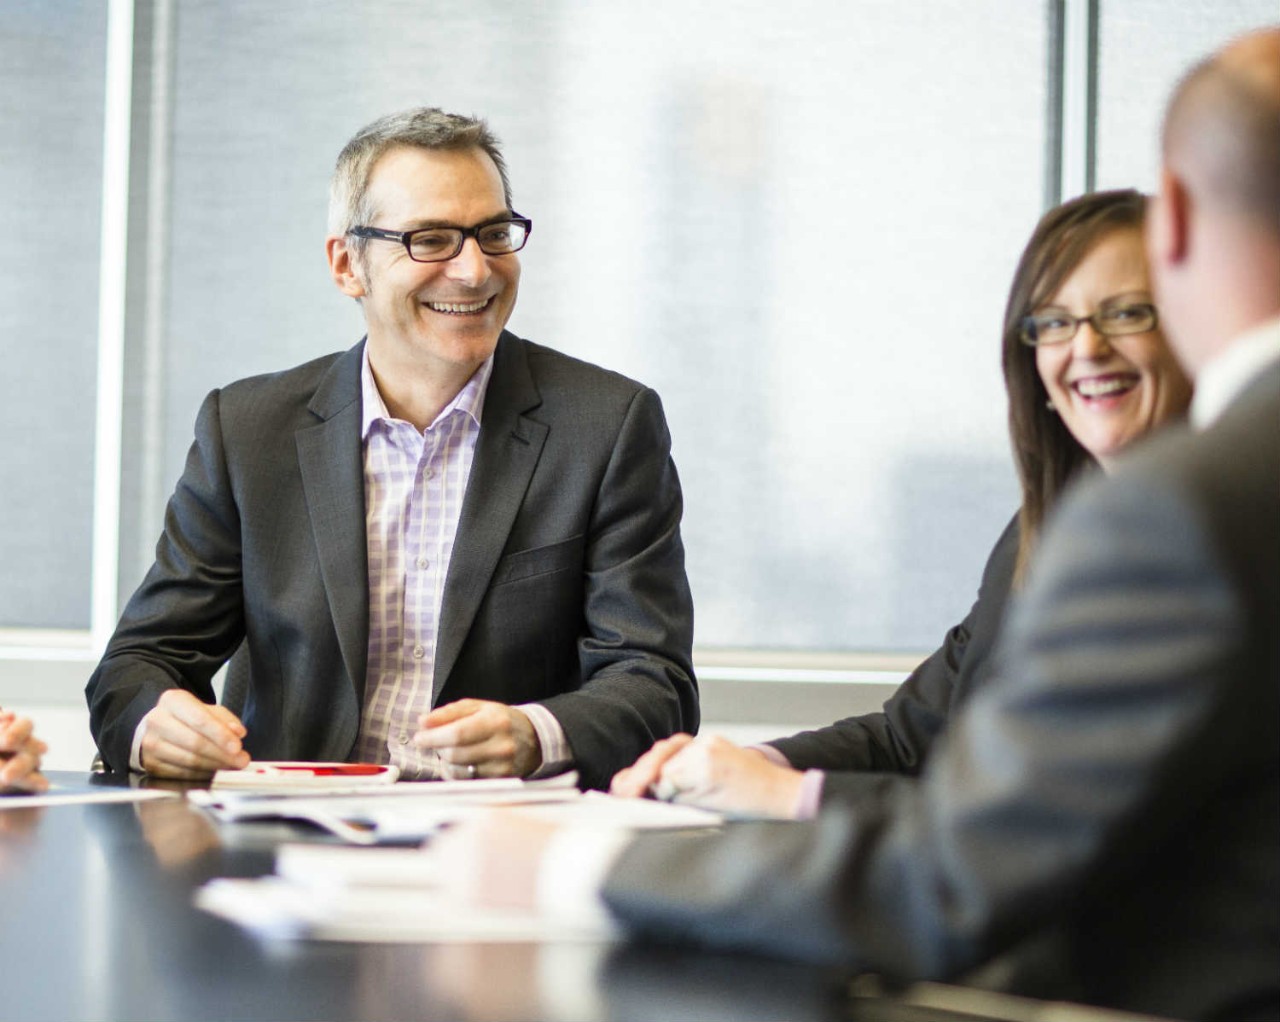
(418, 652)
(404, 738)
(428, 473)
(422, 562)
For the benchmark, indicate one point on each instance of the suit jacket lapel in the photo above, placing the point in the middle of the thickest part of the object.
(332, 467)
(506, 452)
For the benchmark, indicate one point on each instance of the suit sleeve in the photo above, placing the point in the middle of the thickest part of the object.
(187, 617)
(636, 650)
(898, 738)
(1119, 669)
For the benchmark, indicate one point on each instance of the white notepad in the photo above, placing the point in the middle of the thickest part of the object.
(287, 776)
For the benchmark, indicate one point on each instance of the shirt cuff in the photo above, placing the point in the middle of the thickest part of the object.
(575, 863)
(557, 757)
(773, 755)
(135, 750)
(809, 797)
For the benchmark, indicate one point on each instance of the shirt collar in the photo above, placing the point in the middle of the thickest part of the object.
(470, 399)
(1222, 380)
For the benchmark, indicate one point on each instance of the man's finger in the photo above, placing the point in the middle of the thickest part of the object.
(499, 747)
(450, 712)
(178, 733)
(660, 752)
(173, 743)
(687, 772)
(34, 782)
(15, 735)
(644, 772)
(453, 736)
(165, 758)
(498, 740)
(18, 766)
(622, 784)
(634, 781)
(208, 721)
(478, 726)
(31, 747)
(229, 720)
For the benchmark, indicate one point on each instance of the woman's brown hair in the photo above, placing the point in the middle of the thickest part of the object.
(1047, 456)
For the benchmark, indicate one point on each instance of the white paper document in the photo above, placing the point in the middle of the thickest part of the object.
(388, 813)
(336, 892)
(70, 794)
(287, 776)
(596, 809)
(275, 907)
(317, 865)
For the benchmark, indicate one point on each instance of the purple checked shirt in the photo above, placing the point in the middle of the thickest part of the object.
(414, 484)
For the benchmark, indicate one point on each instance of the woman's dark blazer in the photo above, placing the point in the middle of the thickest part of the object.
(897, 739)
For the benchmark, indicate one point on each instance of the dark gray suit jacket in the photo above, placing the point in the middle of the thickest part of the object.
(1116, 782)
(898, 739)
(566, 585)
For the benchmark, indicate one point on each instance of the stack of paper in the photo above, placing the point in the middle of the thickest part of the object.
(288, 776)
(330, 892)
(383, 813)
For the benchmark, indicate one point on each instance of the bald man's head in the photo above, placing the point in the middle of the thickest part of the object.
(1222, 129)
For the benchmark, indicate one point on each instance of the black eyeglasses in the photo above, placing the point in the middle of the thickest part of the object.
(1117, 317)
(439, 244)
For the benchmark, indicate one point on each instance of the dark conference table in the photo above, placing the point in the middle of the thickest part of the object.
(97, 922)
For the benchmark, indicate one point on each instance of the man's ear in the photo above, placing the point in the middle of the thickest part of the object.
(1168, 234)
(342, 266)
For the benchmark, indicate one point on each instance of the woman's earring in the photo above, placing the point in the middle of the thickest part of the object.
(1049, 404)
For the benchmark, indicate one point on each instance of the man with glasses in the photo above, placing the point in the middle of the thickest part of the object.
(449, 549)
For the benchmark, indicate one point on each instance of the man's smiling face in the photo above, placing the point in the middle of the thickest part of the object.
(446, 314)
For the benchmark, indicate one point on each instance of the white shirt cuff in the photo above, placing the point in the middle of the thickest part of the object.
(135, 750)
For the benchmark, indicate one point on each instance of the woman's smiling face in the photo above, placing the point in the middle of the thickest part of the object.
(1110, 390)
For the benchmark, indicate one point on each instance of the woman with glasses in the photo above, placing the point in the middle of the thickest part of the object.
(1087, 372)
(20, 753)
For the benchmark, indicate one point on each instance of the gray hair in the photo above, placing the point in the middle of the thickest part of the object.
(423, 128)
